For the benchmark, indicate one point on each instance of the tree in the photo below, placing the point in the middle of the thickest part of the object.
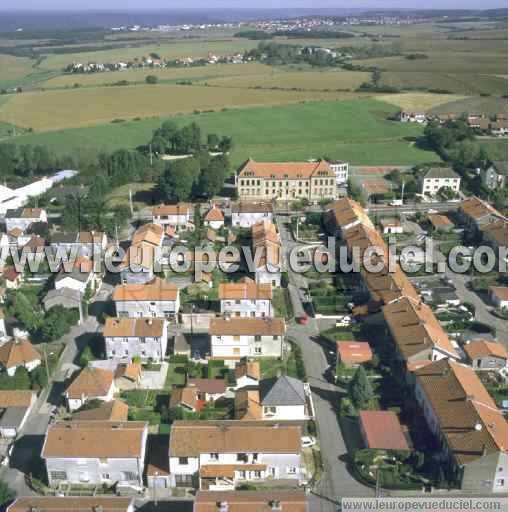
(360, 388)
(151, 79)
(212, 141)
(39, 377)
(26, 313)
(177, 180)
(86, 356)
(212, 177)
(21, 379)
(226, 144)
(6, 493)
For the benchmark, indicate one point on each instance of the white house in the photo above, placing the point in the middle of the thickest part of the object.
(391, 226)
(18, 352)
(156, 299)
(438, 178)
(90, 384)
(81, 277)
(245, 214)
(85, 243)
(15, 407)
(96, 453)
(266, 253)
(495, 175)
(278, 399)
(126, 338)
(499, 296)
(341, 170)
(23, 218)
(246, 298)
(232, 339)
(214, 218)
(412, 117)
(176, 216)
(247, 374)
(222, 455)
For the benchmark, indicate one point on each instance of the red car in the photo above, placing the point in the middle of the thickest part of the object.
(304, 319)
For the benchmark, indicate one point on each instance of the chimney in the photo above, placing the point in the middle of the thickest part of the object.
(484, 450)
(222, 506)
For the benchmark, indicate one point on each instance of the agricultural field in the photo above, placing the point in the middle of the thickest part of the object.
(305, 80)
(13, 69)
(57, 109)
(418, 100)
(164, 75)
(354, 130)
(488, 106)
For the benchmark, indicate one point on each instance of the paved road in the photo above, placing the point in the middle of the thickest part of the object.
(336, 481)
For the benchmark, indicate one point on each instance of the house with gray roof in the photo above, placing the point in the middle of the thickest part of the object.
(68, 298)
(285, 398)
(495, 175)
(438, 178)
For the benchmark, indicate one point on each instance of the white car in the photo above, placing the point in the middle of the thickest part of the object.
(308, 441)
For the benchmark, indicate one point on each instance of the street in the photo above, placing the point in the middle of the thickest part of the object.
(336, 481)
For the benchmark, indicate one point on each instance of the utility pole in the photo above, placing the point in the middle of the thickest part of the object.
(116, 233)
(80, 310)
(130, 202)
(46, 360)
(151, 155)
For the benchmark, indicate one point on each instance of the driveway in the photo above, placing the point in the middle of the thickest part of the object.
(336, 481)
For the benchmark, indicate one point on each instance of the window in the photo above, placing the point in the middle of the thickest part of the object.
(214, 456)
(500, 482)
(270, 411)
(241, 457)
(183, 480)
(257, 338)
(257, 474)
(183, 461)
(236, 351)
(291, 470)
(106, 476)
(58, 475)
(275, 337)
(258, 350)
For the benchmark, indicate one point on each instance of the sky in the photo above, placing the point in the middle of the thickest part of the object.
(168, 4)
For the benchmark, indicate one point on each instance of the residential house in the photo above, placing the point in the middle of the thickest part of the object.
(214, 218)
(18, 352)
(499, 296)
(406, 116)
(486, 355)
(137, 266)
(12, 278)
(446, 117)
(417, 334)
(259, 501)
(471, 430)
(150, 234)
(67, 298)
(156, 299)
(116, 410)
(146, 338)
(176, 216)
(197, 393)
(18, 238)
(341, 171)
(381, 430)
(496, 234)
(80, 278)
(232, 339)
(476, 213)
(96, 452)
(247, 373)
(391, 226)
(23, 218)
(286, 181)
(74, 504)
(266, 253)
(15, 407)
(221, 455)
(278, 399)
(439, 178)
(83, 243)
(499, 128)
(90, 384)
(245, 214)
(353, 353)
(440, 222)
(128, 376)
(246, 298)
(345, 214)
(495, 175)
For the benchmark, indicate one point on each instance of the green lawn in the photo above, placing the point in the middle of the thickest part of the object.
(354, 130)
(176, 375)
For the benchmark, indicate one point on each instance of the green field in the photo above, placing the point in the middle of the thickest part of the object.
(354, 130)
